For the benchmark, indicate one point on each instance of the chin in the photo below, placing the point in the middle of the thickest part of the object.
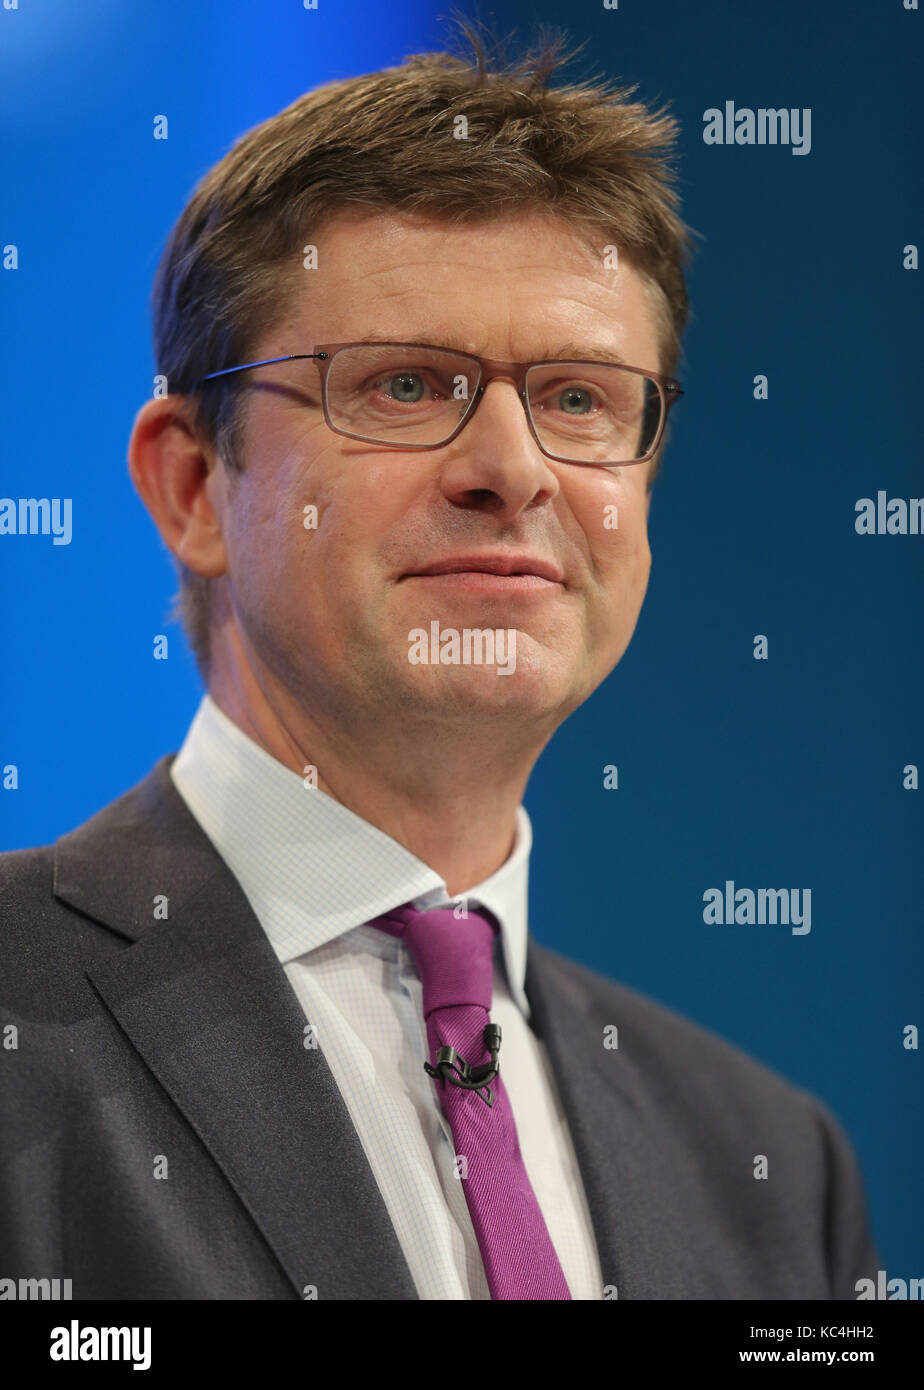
(518, 688)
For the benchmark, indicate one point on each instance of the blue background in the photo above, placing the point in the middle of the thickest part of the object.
(775, 773)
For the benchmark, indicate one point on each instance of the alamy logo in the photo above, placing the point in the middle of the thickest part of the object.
(768, 125)
(32, 516)
(27, 1289)
(766, 906)
(890, 1289)
(473, 646)
(889, 516)
(76, 1343)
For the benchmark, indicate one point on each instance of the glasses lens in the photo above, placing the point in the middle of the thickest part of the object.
(400, 395)
(595, 413)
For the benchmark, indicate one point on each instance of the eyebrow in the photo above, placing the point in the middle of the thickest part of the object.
(576, 351)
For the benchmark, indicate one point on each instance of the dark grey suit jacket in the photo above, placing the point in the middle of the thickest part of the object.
(141, 1040)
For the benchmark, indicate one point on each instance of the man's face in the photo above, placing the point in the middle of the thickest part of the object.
(330, 610)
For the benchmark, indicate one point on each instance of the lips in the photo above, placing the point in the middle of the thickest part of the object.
(505, 565)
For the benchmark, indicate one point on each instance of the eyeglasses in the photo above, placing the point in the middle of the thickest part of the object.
(417, 396)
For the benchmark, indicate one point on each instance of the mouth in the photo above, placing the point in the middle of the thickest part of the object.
(492, 574)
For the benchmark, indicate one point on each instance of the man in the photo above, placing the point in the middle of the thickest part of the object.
(419, 334)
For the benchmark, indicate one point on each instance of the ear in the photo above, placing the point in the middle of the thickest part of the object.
(178, 482)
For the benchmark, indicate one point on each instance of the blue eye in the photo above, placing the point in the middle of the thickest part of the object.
(406, 386)
(575, 395)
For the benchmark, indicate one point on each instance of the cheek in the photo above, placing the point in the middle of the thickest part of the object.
(614, 519)
(624, 572)
(348, 510)
(355, 504)
(612, 513)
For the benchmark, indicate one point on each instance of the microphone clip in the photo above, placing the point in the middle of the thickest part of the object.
(454, 1069)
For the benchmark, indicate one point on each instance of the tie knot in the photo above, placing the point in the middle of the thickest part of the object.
(454, 955)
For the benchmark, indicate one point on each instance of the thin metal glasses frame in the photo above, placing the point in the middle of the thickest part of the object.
(490, 369)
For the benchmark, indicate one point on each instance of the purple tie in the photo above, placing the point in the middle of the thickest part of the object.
(455, 962)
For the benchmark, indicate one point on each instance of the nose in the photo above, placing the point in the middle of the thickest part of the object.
(495, 464)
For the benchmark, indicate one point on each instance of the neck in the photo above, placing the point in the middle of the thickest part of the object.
(446, 796)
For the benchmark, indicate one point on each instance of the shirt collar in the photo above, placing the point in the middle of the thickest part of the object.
(311, 868)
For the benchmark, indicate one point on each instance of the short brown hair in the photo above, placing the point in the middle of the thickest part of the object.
(584, 152)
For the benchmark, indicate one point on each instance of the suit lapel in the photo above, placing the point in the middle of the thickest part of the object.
(636, 1191)
(203, 999)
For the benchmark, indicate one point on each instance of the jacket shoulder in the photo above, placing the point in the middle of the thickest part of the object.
(26, 884)
(38, 921)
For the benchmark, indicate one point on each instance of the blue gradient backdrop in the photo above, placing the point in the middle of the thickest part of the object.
(786, 772)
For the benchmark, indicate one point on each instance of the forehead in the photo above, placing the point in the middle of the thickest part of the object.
(518, 287)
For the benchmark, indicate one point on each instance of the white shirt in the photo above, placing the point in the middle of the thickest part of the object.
(314, 873)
